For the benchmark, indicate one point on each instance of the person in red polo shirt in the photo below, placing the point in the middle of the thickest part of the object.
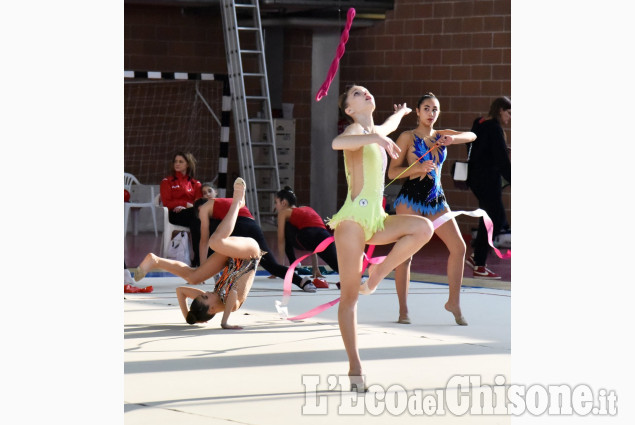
(179, 190)
(212, 211)
(302, 228)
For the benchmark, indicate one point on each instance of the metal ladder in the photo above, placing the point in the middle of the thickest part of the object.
(251, 105)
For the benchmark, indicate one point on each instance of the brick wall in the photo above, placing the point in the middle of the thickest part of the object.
(459, 50)
(161, 38)
(297, 90)
(166, 38)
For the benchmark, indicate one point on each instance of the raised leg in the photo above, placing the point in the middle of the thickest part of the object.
(233, 246)
(409, 233)
(213, 265)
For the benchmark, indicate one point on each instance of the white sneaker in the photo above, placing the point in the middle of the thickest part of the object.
(307, 286)
(127, 277)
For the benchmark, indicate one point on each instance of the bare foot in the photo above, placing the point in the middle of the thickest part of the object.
(456, 311)
(146, 265)
(364, 289)
(370, 285)
(357, 382)
(404, 319)
(239, 191)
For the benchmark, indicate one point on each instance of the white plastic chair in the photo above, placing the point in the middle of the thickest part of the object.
(135, 207)
(168, 228)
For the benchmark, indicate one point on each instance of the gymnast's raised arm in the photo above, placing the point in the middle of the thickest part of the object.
(354, 138)
(392, 122)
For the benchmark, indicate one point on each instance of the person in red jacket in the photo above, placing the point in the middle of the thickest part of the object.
(302, 228)
(179, 190)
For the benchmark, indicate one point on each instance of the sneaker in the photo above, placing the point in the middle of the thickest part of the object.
(470, 261)
(307, 286)
(127, 277)
(483, 272)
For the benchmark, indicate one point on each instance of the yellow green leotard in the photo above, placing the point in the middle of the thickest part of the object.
(366, 209)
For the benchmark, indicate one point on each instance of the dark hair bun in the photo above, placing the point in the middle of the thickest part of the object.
(191, 318)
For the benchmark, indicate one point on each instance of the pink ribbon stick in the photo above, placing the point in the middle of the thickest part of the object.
(476, 213)
(338, 55)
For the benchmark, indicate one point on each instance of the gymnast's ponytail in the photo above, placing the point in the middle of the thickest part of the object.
(191, 318)
(287, 194)
(198, 312)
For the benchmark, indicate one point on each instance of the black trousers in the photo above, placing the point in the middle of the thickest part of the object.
(492, 203)
(248, 227)
(308, 239)
(187, 218)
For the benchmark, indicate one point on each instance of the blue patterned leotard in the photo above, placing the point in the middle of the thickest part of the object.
(424, 194)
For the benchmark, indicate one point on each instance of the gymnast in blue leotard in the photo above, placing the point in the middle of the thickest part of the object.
(422, 194)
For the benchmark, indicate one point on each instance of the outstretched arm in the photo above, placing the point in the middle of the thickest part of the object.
(316, 266)
(393, 121)
(451, 137)
(354, 138)
(184, 292)
(400, 164)
(231, 304)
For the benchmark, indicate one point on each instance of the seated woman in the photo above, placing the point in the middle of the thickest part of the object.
(302, 228)
(236, 256)
(179, 190)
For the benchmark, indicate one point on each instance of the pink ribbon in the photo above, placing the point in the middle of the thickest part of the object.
(289, 275)
(317, 310)
(476, 213)
(282, 306)
(338, 55)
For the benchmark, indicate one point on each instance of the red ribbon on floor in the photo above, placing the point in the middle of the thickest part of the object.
(129, 289)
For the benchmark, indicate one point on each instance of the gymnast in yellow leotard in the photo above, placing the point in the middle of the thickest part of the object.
(362, 220)
(366, 208)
